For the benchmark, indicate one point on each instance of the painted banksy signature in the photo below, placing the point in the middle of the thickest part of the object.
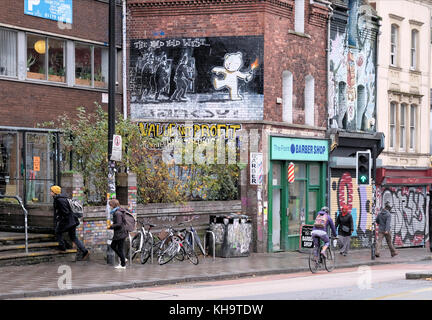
(215, 78)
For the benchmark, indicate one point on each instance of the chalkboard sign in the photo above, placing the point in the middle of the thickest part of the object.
(306, 236)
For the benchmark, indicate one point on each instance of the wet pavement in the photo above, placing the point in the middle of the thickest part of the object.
(60, 278)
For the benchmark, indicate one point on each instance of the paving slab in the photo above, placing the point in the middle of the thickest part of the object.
(61, 278)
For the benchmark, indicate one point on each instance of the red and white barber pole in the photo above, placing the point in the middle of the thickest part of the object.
(291, 172)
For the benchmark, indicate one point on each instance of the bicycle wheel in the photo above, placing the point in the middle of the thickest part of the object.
(329, 261)
(180, 256)
(136, 243)
(146, 248)
(192, 256)
(313, 264)
(169, 253)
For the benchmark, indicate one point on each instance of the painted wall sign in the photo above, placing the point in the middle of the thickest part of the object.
(256, 168)
(299, 149)
(57, 10)
(197, 78)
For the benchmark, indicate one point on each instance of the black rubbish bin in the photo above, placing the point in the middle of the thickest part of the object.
(233, 235)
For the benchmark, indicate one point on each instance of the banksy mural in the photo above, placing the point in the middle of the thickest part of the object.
(352, 71)
(200, 78)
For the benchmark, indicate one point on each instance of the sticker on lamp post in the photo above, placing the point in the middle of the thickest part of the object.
(256, 168)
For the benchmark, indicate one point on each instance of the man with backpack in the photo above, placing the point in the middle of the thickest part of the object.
(319, 231)
(66, 221)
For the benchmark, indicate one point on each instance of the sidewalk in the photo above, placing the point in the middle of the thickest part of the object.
(43, 280)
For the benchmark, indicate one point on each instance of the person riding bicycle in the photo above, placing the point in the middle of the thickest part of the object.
(319, 232)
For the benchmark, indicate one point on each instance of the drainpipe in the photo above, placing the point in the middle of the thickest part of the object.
(327, 95)
(124, 76)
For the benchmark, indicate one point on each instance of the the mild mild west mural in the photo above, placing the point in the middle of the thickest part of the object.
(200, 78)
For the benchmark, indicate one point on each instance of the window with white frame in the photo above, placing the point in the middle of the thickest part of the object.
(46, 58)
(394, 45)
(402, 126)
(91, 66)
(392, 122)
(8, 53)
(414, 49)
(413, 120)
(287, 96)
(299, 12)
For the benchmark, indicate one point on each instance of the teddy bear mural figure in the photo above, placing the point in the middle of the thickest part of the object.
(231, 74)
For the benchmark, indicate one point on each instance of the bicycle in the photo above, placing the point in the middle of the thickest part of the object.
(192, 237)
(177, 247)
(328, 260)
(142, 242)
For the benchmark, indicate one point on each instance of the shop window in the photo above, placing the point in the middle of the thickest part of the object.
(297, 205)
(8, 53)
(300, 171)
(314, 175)
(276, 174)
(91, 66)
(45, 58)
(9, 164)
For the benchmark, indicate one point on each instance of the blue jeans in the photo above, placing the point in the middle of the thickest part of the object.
(318, 235)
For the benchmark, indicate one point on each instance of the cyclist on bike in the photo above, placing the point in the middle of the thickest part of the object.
(319, 232)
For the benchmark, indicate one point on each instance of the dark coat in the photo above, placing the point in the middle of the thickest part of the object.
(384, 220)
(118, 225)
(63, 217)
(347, 221)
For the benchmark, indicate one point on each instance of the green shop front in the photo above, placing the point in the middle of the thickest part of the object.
(297, 188)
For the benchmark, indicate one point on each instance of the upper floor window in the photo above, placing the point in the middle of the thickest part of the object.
(414, 49)
(299, 12)
(91, 66)
(392, 123)
(402, 126)
(394, 45)
(45, 58)
(287, 96)
(413, 121)
(8, 53)
(309, 96)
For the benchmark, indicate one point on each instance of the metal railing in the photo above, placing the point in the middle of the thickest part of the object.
(25, 217)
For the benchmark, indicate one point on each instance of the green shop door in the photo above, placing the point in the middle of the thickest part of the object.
(294, 204)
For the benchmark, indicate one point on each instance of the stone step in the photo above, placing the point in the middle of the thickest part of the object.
(31, 246)
(22, 258)
(7, 238)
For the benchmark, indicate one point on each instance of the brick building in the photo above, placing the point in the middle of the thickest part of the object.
(257, 65)
(50, 64)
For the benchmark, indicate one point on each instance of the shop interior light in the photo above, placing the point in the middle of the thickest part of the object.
(40, 46)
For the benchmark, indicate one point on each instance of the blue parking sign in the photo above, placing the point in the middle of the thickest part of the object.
(58, 10)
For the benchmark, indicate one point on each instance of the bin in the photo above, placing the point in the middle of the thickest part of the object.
(233, 235)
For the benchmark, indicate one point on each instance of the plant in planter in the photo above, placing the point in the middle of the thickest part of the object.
(83, 79)
(56, 75)
(100, 80)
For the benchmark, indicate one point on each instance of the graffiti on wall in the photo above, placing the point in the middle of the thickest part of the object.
(202, 78)
(409, 209)
(352, 71)
(358, 198)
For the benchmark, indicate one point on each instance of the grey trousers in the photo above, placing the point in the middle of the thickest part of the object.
(388, 238)
(344, 243)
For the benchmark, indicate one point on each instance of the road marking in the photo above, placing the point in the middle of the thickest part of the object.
(401, 294)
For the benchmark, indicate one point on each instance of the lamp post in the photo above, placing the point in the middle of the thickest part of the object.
(111, 194)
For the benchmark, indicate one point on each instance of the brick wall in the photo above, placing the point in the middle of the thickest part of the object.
(25, 104)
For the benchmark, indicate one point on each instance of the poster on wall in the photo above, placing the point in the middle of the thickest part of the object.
(215, 78)
(57, 10)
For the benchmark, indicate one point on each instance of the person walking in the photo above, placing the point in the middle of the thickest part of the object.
(65, 221)
(120, 232)
(345, 226)
(384, 223)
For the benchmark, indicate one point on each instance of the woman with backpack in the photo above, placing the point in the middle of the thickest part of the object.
(346, 226)
(120, 232)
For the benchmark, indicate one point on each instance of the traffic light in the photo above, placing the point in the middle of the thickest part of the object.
(363, 167)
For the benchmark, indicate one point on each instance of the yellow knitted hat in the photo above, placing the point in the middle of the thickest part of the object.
(56, 189)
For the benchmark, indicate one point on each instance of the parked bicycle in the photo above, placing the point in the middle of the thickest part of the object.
(328, 261)
(192, 236)
(142, 242)
(177, 246)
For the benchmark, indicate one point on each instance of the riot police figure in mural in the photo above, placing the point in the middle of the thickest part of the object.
(182, 79)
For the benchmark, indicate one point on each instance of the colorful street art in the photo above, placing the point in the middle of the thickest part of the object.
(202, 78)
(352, 71)
(409, 210)
(345, 191)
